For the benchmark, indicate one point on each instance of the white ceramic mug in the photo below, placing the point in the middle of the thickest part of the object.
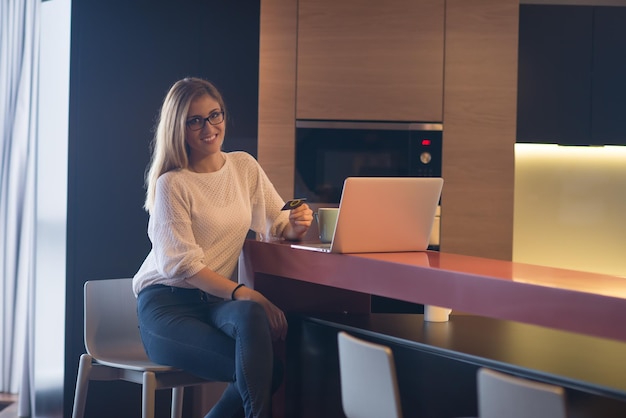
(326, 221)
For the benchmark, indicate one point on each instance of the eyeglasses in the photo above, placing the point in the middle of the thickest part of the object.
(196, 123)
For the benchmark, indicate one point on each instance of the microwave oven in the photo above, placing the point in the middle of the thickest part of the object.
(327, 152)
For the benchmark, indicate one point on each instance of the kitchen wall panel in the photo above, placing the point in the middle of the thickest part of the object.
(569, 207)
(479, 119)
(370, 60)
(277, 92)
(479, 112)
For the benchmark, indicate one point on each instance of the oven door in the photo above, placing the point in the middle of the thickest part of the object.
(329, 152)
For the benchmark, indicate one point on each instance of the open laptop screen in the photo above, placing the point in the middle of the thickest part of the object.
(385, 214)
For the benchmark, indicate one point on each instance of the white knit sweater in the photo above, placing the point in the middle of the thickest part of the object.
(202, 219)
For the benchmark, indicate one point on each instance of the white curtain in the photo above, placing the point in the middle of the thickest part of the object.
(19, 51)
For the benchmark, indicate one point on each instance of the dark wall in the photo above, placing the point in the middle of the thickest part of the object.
(124, 57)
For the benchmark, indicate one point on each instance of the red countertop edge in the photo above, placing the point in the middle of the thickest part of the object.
(581, 302)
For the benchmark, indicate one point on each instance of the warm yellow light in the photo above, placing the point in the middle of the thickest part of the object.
(570, 207)
(609, 152)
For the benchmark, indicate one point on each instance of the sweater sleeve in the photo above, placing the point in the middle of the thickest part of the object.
(267, 217)
(176, 253)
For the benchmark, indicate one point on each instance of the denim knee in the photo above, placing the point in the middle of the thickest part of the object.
(251, 311)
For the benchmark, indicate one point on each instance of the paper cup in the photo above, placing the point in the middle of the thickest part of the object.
(436, 313)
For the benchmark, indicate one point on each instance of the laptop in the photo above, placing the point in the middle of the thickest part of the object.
(383, 214)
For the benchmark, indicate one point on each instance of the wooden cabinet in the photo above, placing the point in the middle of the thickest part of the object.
(479, 127)
(277, 92)
(370, 60)
(570, 82)
(554, 76)
(608, 109)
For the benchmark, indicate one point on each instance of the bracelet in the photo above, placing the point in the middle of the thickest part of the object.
(232, 295)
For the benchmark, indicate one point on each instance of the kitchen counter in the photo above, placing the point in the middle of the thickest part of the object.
(580, 302)
(553, 325)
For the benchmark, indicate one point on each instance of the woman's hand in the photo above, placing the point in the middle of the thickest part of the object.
(300, 220)
(275, 317)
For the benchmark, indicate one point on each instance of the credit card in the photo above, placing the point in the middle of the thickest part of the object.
(293, 203)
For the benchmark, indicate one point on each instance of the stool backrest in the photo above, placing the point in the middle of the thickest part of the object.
(110, 322)
(369, 387)
(503, 395)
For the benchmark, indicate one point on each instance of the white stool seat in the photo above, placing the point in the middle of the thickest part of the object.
(115, 351)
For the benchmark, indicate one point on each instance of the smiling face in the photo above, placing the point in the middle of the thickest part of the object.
(205, 144)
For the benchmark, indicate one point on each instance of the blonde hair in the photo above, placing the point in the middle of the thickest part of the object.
(169, 149)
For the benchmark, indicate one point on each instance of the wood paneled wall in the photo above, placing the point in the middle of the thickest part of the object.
(480, 106)
(370, 60)
(479, 117)
(277, 92)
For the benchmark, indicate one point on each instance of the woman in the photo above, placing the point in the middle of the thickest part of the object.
(202, 203)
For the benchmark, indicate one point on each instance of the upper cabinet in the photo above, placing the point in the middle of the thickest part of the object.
(608, 89)
(370, 60)
(572, 61)
(554, 75)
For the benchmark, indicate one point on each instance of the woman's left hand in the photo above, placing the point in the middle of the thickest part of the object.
(300, 220)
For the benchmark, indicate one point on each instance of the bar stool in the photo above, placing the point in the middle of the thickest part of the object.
(503, 395)
(369, 386)
(115, 351)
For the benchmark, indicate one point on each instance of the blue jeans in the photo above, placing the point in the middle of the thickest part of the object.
(214, 339)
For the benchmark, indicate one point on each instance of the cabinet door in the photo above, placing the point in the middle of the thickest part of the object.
(370, 60)
(554, 76)
(608, 111)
